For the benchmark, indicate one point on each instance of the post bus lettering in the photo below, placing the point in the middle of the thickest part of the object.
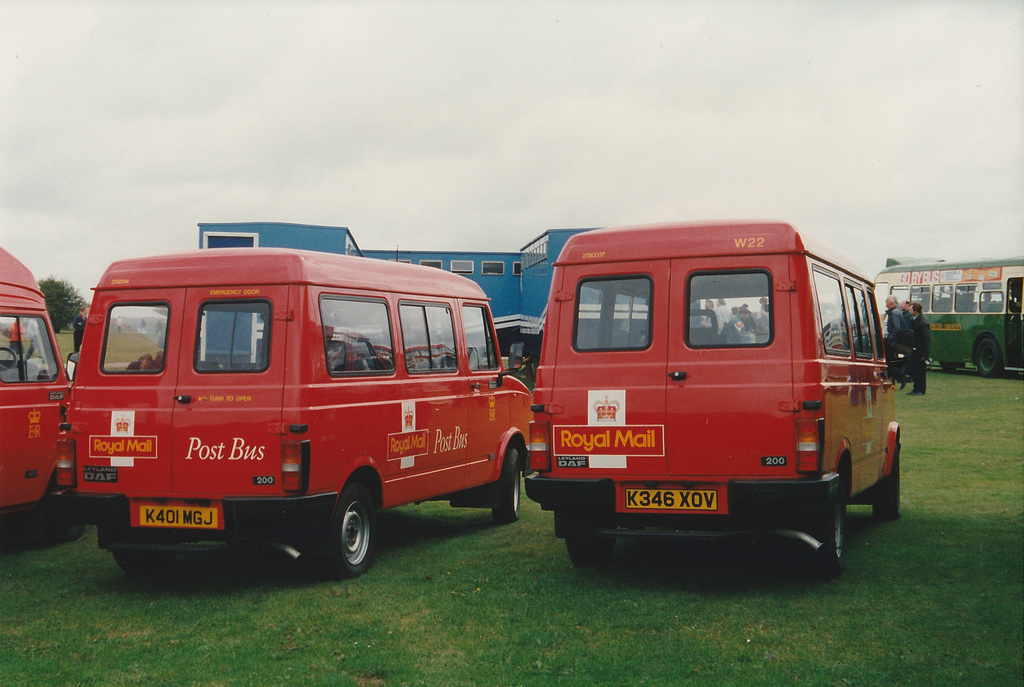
(239, 450)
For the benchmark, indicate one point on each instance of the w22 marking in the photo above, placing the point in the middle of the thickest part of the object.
(752, 242)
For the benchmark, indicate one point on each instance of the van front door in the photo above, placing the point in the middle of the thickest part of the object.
(227, 404)
(730, 368)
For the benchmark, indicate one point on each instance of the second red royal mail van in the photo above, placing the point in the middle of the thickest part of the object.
(33, 394)
(281, 396)
(706, 381)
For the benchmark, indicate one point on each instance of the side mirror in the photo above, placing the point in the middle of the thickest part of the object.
(71, 365)
(515, 363)
(515, 356)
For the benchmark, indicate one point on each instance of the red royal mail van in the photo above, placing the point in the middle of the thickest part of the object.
(33, 389)
(710, 380)
(278, 396)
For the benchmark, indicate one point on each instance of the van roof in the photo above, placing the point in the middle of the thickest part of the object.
(18, 288)
(235, 266)
(697, 239)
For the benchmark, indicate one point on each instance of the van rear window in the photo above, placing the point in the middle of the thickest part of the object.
(136, 339)
(729, 309)
(357, 336)
(233, 337)
(613, 314)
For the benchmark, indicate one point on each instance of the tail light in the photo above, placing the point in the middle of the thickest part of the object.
(66, 463)
(540, 446)
(295, 465)
(810, 434)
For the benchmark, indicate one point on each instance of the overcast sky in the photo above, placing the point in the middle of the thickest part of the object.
(885, 128)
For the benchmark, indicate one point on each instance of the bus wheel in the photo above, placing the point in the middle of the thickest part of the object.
(987, 357)
(509, 485)
(586, 552)
(831, 532)
(353, 532)
(886, 505)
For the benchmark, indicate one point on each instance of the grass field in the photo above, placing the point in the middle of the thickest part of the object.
(935, 598)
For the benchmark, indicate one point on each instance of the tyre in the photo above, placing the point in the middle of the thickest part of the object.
(988, 358)
(353, 532)
(886, 505)
(510, 484)
(144, 563)
(831, 532)
(586, 552)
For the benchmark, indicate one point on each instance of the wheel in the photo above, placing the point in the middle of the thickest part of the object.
(886, 505)
(143, 563)
(831, 532)
(510, 484)
(988, 358)
(586, 552)
(353, 532)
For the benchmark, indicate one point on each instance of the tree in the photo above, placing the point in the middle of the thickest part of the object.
(62, 301)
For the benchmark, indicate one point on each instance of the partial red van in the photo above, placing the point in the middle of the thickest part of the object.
(33, 392)
(277, 396)
(708, 381)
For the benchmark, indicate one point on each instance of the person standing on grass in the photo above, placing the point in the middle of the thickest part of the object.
(922, 347)
(78, 326)
(895, 322)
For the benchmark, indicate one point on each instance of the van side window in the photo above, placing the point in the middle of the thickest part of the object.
(613, 314)
(428, 336)
(483, 354)
(26, 353)
(357, 336)
(233, 337)
(136, 339)
(859, 322)
(832, 314)
(729, 309)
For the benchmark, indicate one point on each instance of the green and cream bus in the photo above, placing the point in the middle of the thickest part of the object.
(974, 308)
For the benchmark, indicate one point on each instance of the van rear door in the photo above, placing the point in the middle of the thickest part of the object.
(730, 368)
(126, 408)
(608, 405)
(228, 399)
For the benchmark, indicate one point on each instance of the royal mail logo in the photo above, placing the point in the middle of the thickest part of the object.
(630, 440)
(606, 410)
(122, 447)
(408, 419)
(407, 444)
(33, 417)
(121, 426)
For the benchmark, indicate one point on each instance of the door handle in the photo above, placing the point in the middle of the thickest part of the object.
(678, 375)
(183, 399)
(475, 386)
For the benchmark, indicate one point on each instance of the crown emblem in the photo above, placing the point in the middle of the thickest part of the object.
(33, 416)
(408, 419)
(122, 425)
(606, 410)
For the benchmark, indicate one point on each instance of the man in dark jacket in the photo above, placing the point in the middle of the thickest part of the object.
(922, 349)
(897, 333)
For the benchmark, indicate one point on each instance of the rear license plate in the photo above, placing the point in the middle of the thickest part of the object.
(178, 516)
(672, 499)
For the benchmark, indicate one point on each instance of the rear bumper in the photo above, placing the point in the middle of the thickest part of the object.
(244, 518)
(752, 504)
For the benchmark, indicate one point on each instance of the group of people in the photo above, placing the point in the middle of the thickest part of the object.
(908, 339)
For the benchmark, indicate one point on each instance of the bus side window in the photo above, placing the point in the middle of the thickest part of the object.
(966, 298)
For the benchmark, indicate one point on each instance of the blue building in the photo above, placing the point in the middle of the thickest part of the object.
(517, 282)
